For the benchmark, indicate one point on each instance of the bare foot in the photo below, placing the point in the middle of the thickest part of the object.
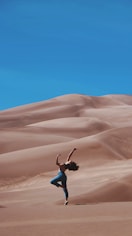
(61, 186)
(66, 203)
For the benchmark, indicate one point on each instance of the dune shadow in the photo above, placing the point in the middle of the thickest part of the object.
(1, 206)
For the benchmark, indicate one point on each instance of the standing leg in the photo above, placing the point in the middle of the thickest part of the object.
(64, 184)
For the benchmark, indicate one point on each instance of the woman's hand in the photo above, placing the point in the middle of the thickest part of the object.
(58, 155)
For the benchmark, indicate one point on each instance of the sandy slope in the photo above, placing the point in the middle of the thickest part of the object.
(100, 192)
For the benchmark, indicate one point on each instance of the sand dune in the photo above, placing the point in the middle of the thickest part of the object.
(112, 192)
(30, 138)
(18, 139)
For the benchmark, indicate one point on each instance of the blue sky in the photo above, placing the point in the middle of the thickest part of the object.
(50, 48)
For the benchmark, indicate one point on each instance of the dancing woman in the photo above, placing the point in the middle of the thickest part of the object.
(61, 179)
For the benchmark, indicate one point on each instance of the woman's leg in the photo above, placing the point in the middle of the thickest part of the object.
(64, 184)
(57, 179)
(61, 177)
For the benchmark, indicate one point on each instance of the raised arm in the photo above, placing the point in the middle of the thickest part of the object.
(70, 154)
(57, 159)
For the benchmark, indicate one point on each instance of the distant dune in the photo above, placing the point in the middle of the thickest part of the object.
(32, 135)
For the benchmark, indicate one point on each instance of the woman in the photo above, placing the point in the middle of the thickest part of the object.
(61, 177)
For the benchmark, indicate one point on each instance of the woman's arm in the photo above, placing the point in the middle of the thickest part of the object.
(57, 159)
(70, 154)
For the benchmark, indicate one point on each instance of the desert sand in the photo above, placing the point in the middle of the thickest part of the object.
(100, 192)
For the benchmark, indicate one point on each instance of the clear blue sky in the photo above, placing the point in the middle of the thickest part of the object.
(53, 47)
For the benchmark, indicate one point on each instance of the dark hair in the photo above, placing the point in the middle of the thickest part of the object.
(72, 166)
